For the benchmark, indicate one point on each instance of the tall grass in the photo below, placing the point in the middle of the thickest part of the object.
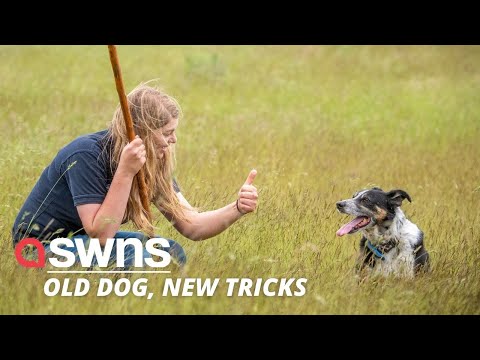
(317, 122)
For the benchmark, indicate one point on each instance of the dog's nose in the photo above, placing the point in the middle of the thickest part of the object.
(340, 205)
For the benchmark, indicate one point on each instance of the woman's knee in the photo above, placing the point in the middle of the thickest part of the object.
(176, 251)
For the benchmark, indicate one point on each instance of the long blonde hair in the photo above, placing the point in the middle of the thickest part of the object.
(150, 109)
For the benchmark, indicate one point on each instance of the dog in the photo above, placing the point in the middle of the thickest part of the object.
(391, 244)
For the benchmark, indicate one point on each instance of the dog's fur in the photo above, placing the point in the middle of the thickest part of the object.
(391, 244)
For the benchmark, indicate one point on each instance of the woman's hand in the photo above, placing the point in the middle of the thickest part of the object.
(133, 157)
(248, 196)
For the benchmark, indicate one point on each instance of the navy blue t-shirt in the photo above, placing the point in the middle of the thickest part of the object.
(79, 174)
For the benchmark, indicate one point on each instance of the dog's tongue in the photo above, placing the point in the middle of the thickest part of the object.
(345, 229)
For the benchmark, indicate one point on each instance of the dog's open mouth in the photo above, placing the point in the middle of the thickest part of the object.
(354, 225)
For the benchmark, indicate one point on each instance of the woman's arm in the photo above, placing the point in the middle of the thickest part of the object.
(204, 225)
(102, 221)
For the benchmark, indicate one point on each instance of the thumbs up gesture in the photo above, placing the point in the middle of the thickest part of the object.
(248, 196)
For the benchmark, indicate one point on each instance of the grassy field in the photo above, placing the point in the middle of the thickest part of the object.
(317, 122)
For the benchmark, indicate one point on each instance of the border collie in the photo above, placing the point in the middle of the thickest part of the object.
(391, 244)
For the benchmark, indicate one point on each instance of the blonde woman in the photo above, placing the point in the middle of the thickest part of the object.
(88, 190)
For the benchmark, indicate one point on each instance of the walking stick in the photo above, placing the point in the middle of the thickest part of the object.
(129, 125)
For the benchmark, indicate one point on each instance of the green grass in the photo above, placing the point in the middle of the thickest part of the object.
(317, 122)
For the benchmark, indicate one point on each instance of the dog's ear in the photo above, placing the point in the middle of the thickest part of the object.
(376, 188)
(397, 196)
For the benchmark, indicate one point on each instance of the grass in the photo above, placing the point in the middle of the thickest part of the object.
(317, 122)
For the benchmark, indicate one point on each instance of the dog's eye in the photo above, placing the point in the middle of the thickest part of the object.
(365, 200)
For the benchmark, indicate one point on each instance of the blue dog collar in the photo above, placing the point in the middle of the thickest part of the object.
(378, 254)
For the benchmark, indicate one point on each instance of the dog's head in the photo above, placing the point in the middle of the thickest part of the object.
(370, 207)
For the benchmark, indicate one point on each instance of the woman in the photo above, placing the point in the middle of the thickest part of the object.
(88, 190)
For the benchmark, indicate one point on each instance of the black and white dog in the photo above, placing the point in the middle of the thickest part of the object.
(391, 244)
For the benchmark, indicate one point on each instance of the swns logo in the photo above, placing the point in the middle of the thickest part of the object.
(57, 248)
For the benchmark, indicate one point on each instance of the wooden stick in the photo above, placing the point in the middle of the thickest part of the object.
(128, 123)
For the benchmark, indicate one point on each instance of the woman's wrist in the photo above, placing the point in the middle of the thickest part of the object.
(124, 174)
(238, 209)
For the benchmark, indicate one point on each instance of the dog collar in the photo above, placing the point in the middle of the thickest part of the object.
(377, 253)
